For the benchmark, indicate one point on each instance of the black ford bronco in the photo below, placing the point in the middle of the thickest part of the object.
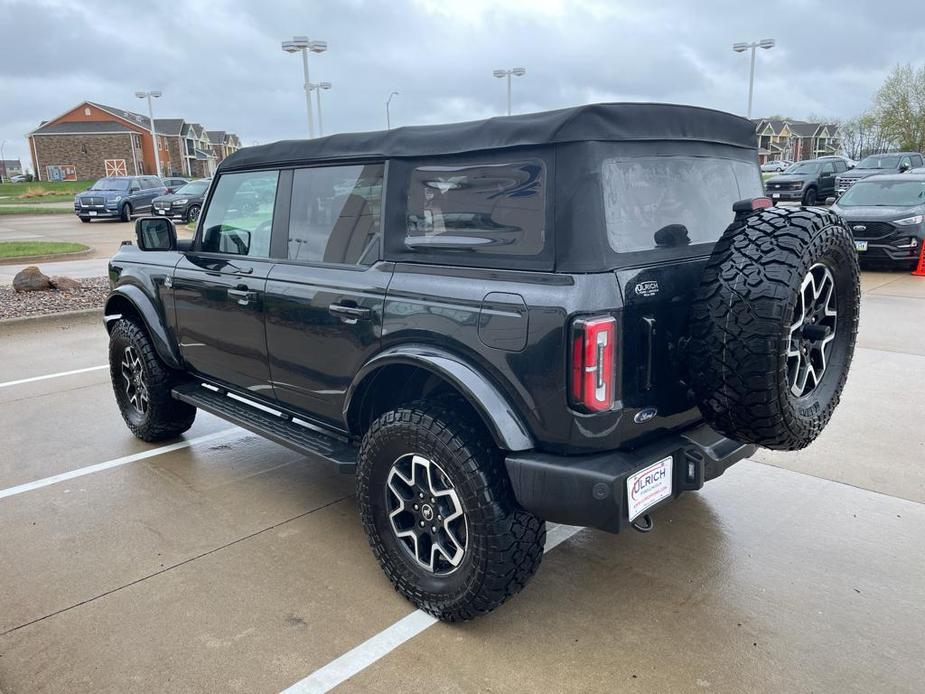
(572, 316)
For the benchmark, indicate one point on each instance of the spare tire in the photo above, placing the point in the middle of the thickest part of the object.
(773, 326)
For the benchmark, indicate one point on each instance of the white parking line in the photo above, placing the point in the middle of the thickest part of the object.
(109, 464)
(57, 375)
(358, 659)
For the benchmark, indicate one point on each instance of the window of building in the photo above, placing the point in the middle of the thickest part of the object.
(239, 218)
(335, 214)
(498, 209)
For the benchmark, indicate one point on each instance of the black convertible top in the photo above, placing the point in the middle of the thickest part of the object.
(627, 122)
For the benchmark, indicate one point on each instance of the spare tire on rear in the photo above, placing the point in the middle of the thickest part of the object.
(773, 326)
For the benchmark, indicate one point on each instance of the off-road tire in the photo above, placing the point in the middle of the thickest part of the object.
(741, 323)
(125, 212)
(505, 542)
(809, 197)
(165, 417)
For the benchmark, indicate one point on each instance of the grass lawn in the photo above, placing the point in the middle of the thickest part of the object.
(17, 249)
(26, 193)
(34, 209)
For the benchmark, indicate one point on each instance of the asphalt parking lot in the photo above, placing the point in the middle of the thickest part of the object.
(224, 562)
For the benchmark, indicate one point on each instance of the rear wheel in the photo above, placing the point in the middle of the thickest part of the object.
(142, 384)
(773, 327)
(439, 512)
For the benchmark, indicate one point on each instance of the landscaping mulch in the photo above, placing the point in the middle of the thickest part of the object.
(91, 294)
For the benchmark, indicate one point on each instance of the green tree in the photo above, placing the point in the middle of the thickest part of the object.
(899, 107)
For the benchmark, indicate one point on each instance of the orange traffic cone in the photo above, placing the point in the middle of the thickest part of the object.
(920, 268)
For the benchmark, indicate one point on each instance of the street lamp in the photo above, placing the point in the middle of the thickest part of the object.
(741, 47)
(2, 161)
(518, 72)
(302, 44)
(318, 86)
(388, 115)
(149, 95)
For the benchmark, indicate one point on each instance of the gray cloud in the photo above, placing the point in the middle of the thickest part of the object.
(220, 63)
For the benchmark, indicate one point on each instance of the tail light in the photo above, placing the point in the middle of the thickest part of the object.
(591, 384)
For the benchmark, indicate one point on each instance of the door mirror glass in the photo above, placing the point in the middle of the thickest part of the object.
(234, 241)
(156, 234)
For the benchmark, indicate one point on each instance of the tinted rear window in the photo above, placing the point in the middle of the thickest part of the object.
(499, 209)
(670, 201)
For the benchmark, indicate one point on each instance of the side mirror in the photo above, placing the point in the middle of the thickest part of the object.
(830, 200)
(156, 234)
(903, 168)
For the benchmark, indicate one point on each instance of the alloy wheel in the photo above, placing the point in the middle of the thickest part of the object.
(134, 380)
(425, 514)
(812, 330)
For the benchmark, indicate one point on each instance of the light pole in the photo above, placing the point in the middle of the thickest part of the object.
(149, 95)
(302, 44)
(388, 115)
(517, 71)
(318, 86)
(2, 161)
(741, 48)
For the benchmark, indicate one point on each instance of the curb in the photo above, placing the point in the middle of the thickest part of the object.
(49, 317)
(32, 259)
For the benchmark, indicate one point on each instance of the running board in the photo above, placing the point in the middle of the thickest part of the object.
(271, 424)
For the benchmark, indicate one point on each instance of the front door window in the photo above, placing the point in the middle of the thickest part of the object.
(239, 218)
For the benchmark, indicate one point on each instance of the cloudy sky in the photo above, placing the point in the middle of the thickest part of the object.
(220, 63)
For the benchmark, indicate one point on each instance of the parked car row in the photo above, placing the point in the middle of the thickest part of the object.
(122, 197)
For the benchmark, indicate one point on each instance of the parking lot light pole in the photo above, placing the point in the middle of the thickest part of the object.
(516, 71)
(388, 115)
(318, 86)
(302, 44)
(741, 47)
(2, 161)
(149, 95)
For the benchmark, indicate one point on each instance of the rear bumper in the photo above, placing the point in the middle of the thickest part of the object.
(590, 490)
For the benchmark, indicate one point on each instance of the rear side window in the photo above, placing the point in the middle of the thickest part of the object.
(497, 209)
(661, 202)
(239, 218)
(335, 214)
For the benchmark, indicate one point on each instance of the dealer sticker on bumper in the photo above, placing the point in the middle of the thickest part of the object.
(647, 487)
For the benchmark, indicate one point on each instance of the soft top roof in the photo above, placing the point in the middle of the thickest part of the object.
(603, 122)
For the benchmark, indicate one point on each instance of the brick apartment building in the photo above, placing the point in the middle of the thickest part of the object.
(93, 140)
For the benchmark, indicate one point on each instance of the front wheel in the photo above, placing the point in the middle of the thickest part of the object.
(125, 213)
(192, 214)
(142, 384)
(439, 512)
(809, 197)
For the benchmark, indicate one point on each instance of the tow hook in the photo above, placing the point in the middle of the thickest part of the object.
(644, 523)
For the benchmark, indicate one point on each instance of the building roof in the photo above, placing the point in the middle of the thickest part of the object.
(130, 116)
(82, 128)
(626, 122)
(216, 137)
(168, 126)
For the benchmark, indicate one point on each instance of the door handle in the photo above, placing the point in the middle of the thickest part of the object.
(243, 296)
(350, 314)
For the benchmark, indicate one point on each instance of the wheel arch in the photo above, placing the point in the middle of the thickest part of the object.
(129, 301)
(404, 373)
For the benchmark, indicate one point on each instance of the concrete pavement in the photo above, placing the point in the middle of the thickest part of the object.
(236, 565)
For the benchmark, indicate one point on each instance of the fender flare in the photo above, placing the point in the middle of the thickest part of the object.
(152, 318)
(506, 428)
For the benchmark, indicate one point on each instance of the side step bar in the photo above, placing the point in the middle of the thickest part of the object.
(276, 426)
